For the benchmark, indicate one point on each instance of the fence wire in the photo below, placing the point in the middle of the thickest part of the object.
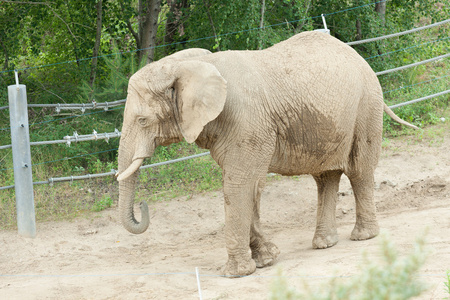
(413, 65)
(82, 106)
(420, 99)
(113, 172)
(419, 83)
(407, 48)
(74, 106)
(398, 33)
(75, 138)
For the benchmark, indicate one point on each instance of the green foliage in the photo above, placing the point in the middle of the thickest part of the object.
(393, 278)
(235, 24)
(447, 284)
(182, 178)
(117, 68)
(105, 202)
(420, 82)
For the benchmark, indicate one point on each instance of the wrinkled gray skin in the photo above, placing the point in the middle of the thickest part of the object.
(308, 105)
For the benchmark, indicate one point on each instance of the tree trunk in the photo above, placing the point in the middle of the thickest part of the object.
(98, 37)
(148, 13)
(171, 25)
(72, 36)
(261, 23)
(380, 8)
(174, 23)
(358, 30)
(5, 53)
(299, 27)
(212, 24)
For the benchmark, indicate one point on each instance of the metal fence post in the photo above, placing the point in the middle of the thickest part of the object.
(20, 140)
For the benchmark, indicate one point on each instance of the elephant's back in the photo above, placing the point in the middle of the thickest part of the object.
(318, 55)
(314, 44)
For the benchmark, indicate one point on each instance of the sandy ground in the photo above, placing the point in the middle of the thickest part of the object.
(95, 258)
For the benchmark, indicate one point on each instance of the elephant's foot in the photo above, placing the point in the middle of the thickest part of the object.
(365, 231)
(265, 255)
(322, 241)
(239, 265)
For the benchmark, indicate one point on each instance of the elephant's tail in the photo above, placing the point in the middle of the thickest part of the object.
(396, 118)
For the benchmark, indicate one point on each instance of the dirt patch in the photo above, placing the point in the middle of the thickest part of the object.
(95, 258)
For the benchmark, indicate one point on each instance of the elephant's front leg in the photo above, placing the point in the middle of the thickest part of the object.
(244, 171)
(238, 221)
(263, 252)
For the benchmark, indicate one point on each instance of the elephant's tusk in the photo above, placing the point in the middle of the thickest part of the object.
(131, 169)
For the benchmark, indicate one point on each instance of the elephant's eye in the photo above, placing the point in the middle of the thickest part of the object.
(142, 121)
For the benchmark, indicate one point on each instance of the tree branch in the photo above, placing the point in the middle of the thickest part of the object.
(261, 23)
(62, 20)
(134, 33)
(211, 22)
(98, 37)
(297, 30)
(130, 28)
(5, 52)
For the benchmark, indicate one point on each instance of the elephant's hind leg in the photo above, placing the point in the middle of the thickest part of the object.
(264, 252)
(327, 189)
(366, 226)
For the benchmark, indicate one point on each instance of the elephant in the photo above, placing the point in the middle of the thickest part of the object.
(307, 105)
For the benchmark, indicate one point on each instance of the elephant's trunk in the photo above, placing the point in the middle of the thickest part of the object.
(126, 197)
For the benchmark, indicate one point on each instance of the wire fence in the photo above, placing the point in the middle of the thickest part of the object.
(113, 104)
(74, 106)
(398, 33)
(69, 139)
(413, 65)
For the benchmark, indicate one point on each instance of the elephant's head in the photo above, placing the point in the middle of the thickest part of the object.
(167, 100)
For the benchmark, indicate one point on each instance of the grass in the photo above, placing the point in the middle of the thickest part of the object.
(432, 136)
(105, 202)
(417, 82)
(182, 178)
(63, 201)
(447, 284)
(70, 200)
(392, 278)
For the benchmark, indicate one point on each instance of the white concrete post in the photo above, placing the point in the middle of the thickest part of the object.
(20, 140)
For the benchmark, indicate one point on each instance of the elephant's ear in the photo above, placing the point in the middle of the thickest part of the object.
(201, 92)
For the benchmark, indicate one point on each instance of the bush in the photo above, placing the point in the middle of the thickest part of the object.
(393, 278)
